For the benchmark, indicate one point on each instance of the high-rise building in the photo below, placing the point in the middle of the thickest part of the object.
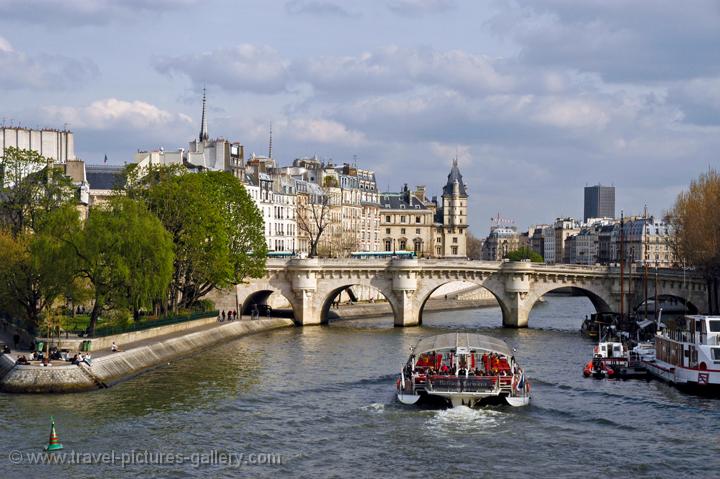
(599, 202)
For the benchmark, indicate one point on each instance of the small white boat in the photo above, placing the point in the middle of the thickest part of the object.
(687, 354)
(609, 357)
(462, 369)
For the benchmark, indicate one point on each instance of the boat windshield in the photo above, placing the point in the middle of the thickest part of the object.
(715, 326)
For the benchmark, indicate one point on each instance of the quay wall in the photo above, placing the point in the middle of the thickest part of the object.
(110, 369)
(104, 342)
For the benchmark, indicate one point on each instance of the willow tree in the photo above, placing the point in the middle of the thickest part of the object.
(695, 218)
(124, 254)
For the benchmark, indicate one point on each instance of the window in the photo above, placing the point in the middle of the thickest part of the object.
(417, 219)
(438, 250)
(417, 231)
(402, 219)
(455, 240)
(454, 250)
(388, 245)
(439, 240)
(402, 245)
(715, 326)
(715, 354)
(402, 231)
(387, 219)
(387, 231)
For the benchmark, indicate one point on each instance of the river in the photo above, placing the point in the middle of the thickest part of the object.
(323, 399)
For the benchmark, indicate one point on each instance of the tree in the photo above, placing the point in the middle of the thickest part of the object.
(313, 218)
(696, 242)
(474, 246)
(524, 253)
(216, 229)
(125, 254)
(30, 187)
(37, 268)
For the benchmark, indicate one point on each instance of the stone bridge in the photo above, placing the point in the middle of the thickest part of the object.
(310, 285)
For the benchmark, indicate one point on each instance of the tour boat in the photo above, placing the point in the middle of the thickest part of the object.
(687, 354)
(609, 357)
(462, 369)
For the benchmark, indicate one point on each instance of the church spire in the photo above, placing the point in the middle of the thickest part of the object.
(203, 121)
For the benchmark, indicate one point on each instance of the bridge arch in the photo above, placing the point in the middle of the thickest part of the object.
(688, 306)
(260, 293)
(490, 284)
(327, 292)
(596, 293)
(326, 300)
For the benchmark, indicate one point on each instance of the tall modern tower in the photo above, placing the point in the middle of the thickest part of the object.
(599, 202)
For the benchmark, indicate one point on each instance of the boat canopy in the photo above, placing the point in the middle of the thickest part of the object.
(469, 341)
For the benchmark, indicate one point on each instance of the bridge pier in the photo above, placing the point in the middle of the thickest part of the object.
(406, 313)
(405, 285)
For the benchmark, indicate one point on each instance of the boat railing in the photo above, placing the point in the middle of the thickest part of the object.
(459, 384)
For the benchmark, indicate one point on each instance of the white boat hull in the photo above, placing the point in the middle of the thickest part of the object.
(408, 398)
(681, 376)
(518, 401)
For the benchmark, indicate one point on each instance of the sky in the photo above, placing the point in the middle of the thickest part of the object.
(535, 98)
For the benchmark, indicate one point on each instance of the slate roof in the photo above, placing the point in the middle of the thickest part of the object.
(397, 201)
(454, 175)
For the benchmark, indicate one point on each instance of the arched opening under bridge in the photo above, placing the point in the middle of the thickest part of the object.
(457, 296)
(357, 301)
(565, 308)
(268, 303)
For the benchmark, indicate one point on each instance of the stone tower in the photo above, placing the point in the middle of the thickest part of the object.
(454, 214)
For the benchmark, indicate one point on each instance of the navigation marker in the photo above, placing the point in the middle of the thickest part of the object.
(54, 441)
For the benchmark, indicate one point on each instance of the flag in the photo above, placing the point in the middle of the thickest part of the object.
(521, 383)
(105, 161)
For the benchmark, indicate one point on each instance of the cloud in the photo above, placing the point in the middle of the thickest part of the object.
(319, 8)
(111, 113)
(415, 8)
(621, 41)
(84, 12)
(20, 70)
(319, 130)
(246, 67)
(698, 99)
(395, 69)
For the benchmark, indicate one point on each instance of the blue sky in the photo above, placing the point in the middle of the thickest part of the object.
(536, 98)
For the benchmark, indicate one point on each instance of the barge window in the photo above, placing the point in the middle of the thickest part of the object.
(715, 326)
(716, 354)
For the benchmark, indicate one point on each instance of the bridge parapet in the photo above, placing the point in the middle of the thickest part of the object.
(311, 284)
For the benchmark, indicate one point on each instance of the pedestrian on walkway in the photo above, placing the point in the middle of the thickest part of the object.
(16, 340)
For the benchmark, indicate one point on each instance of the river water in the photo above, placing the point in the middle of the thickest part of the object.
(323, 399)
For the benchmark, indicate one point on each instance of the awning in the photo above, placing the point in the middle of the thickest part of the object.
(470, 341)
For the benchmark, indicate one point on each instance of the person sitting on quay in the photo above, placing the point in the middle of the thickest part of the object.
(21, 359)
(6, 349)
(46, 362)
(114, 348)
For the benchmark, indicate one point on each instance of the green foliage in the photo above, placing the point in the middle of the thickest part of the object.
(37, 268)
(524, 253)
(125, 254)
(216, 230)
(30, 190)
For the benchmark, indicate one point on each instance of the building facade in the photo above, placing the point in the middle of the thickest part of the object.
(599, 202)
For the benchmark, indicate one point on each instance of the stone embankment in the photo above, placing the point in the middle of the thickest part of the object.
(111, 368)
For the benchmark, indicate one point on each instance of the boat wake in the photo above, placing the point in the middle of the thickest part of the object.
(463, 420)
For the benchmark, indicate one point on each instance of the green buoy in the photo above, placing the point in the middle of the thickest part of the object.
(54, 442)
